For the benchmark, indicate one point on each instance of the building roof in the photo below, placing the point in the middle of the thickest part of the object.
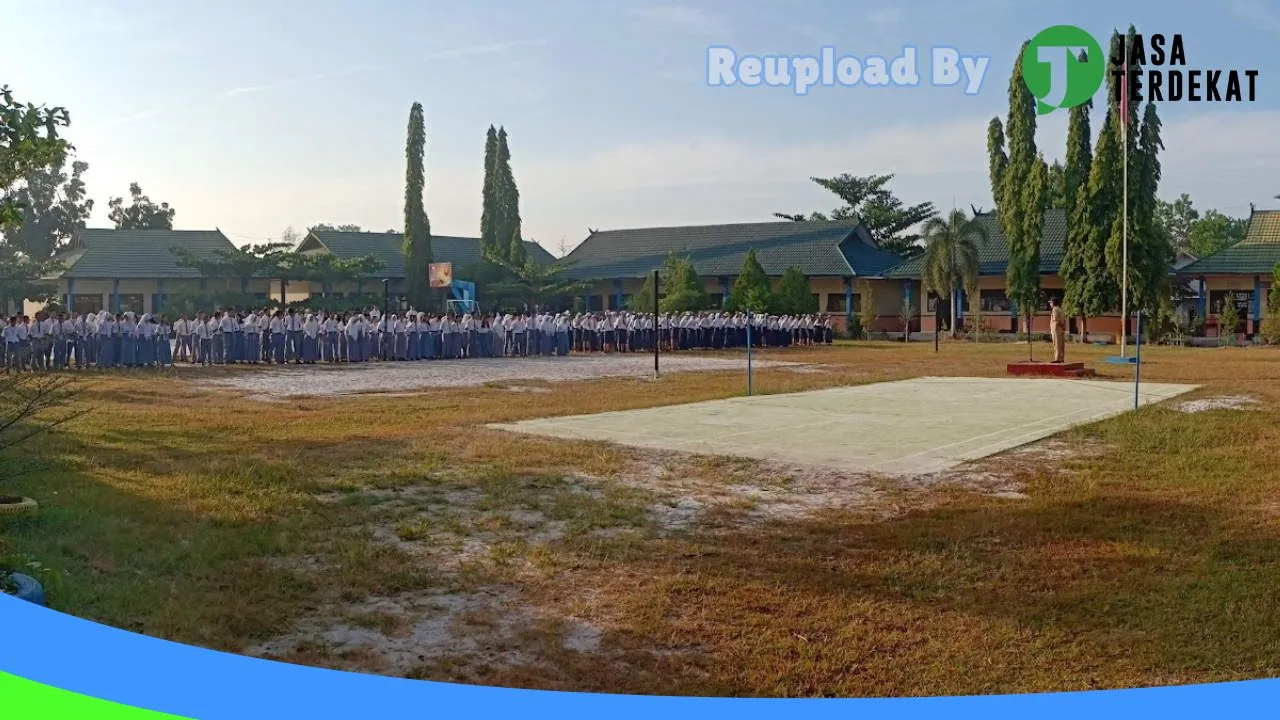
(1257, 254)
(388, 249)
(816, 248)
(110, 253)
(993, 253)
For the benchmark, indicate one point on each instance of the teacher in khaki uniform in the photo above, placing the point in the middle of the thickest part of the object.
(1058, 331)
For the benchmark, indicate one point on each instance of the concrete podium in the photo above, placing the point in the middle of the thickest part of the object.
(1048, 369)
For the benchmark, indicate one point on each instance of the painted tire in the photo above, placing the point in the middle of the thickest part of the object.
(28, 588)
(20, 508)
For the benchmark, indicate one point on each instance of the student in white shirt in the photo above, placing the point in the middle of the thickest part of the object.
(310, 339)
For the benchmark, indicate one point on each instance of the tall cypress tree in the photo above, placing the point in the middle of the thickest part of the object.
(1150, 250)
(1096, 291)
(509, 235)
(1075, 261)
(998, 161)
(1021, 197)
(417, 230)
(488, 209)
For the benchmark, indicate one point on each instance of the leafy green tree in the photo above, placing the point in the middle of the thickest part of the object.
(1271, 321)
(508, 238)
(752, 289)
(1080, 259)
(642, 302)
(793, 296)
(1214, 231)
(1022, 196)
(329, 270)
(867, 314)
(141, 213)
(29, 142)
(1150, 252)
(1176, 219)
(681, 289)
(1091, 288)
(417, 228)
(21, 278)
(489, 210)
(53, 206)
(868, 200)
(268, 260)
(532, 284)
(1057, 190)
(1228, 321)
(997, 159)
(951, 256)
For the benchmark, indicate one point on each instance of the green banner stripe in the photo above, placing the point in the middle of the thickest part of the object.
(26, 699)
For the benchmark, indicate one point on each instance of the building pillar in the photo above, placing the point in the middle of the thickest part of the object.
(1204, 300)
(848, 299)
(617, 293)
(71, 292)
(159, 295)
(959, 300)
(115, 296)
(724, 291)
(906, 302)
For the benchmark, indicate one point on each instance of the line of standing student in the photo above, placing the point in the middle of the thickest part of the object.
(105, 340)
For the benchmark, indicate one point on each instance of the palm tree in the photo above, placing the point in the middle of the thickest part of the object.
(951, 256)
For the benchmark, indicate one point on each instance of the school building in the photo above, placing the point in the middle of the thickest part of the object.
(1241, 273)
(998, 313)
(388, 249)
(136, 270)
(835, 256)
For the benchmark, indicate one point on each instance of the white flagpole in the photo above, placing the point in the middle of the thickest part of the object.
(1124, 280)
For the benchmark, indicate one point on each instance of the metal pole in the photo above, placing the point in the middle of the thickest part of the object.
(749, 343)
(657, 332)
(1124, 278)
(1137, 360)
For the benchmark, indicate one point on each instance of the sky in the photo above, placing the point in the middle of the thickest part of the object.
(256, 116)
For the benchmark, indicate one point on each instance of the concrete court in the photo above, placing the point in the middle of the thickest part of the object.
(910, 427)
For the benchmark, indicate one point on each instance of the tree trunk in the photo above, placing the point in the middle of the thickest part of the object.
(953, 303)
(1084, 329)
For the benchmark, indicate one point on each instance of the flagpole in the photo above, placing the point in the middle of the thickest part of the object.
(1124, 279)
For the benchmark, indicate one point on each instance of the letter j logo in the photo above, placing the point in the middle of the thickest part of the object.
(1063, 67)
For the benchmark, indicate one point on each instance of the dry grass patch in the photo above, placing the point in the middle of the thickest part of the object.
(393, 534)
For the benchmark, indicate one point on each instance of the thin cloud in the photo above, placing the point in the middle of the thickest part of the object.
(136, 117)
(683, 17)
(491, 49)
(248, 89)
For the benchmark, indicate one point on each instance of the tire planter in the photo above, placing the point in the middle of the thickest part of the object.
(28, 588)
(22, 507)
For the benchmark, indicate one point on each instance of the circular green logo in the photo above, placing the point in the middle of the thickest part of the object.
(1062, 67)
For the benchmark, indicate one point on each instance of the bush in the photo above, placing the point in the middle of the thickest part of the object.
(1228, 321)
(853, 329)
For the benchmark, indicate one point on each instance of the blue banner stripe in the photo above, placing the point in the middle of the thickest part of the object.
(95, 660)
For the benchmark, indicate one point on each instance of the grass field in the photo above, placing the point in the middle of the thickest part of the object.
(395, 534)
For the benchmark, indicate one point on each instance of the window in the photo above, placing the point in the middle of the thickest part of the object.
(626, 300)
(835, 303)
(715, 300)
(1243, 298)
(857, 303)
(131, 303)
(817, 300)
(595, 303)
(936, 305)
(995, 301)
(85, 304)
